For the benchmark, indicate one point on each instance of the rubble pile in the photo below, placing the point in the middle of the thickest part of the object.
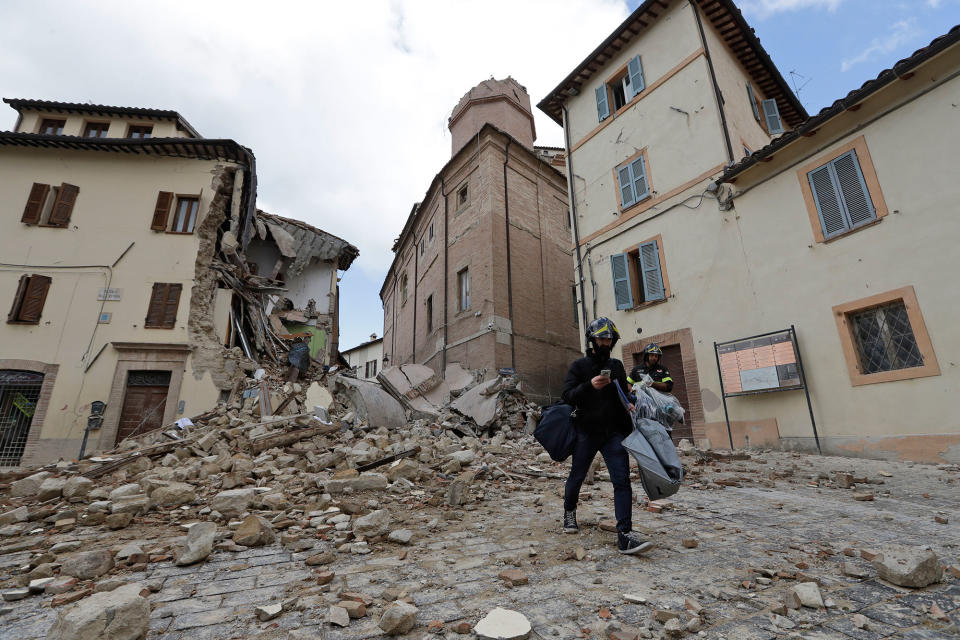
(323, 467)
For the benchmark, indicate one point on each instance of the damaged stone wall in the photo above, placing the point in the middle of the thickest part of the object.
(209, 354)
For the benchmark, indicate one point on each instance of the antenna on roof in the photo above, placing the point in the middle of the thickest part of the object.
(793, 78)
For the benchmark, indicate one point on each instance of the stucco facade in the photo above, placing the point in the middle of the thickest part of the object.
(495, 217)
(749, 257)
(365, 359)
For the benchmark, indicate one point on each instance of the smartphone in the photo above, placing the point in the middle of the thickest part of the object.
(605, 372)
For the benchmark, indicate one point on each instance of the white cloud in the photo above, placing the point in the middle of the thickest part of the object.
(761, 9)
(344, 103)
(901, 32)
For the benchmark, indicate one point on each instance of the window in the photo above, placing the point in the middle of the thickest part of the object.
(746, 150)
(771, 113)
(430, 313)
(29, 299)
(632, 182)
(140, 131)
(569, 218)
(638, 275)
(430, 233)
(841, 191)
(162, 312)
(884, 338)
(371, 369)
(52, 127)
(403, 288)
(623, 87)
(463, 196)
(96, 130)
(423, 245)
(50, 207)
(463, 289)
(186, 216)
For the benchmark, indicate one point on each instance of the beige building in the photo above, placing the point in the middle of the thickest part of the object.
(481, 272)
(710, 207)
(366, 359)
(123, 242)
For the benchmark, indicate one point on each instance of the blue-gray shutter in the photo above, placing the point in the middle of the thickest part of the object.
(772, 115)
(650, 277)
(640, 187)
(753, 102)
(625, 183)
(603, 105)
(856, 198)
(826, 197)
(622, 293)
(635, 69)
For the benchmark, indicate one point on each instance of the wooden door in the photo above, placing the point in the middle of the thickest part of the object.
(144, 403)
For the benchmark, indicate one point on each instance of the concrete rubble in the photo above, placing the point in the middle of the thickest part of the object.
(328, 519)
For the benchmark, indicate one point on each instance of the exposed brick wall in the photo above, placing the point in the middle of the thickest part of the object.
(546, 339)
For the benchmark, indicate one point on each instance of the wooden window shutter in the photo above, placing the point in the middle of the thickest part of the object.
(772, 115)
(856, 198)
(622, 292)
(63, 205)
(827, 200)
(635, 69)
(651, 278)
(35, 201)
(170, 305)
(18, 299)
(161, 212)
(640, 187)
(753, 102)
(603, 103)
(33, 299)
(625, 178)
(158, 297)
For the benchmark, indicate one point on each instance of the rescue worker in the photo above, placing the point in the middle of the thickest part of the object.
(659, 377)
(602, 422)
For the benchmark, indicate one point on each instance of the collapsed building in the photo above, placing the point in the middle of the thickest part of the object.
(144, 283)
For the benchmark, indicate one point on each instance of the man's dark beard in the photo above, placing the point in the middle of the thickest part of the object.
(602, 354)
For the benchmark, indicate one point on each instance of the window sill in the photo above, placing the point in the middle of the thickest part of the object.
(894, 375)
(649, 196)
(850, 232)
(179, 233)
(24, 322)
(157, 327)
(647, 305)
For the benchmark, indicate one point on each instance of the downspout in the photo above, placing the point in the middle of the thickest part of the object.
(506, 216)
(716, 87)
(446, 278)
(416, 268)
(573, 214)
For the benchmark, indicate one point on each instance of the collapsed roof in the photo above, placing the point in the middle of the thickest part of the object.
(303, 242)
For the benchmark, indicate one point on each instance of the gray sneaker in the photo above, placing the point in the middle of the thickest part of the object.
(631, 542)
(570, 522)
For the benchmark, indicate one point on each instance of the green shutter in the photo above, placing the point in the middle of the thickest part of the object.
(603, 104)
(635, 69)
(772, 115)
(625, 183)
(857, 205)
(650, 276)
(827, 200)
(622, 293)
(641, 189)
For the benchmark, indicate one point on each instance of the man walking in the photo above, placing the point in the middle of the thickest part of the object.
(602, 422)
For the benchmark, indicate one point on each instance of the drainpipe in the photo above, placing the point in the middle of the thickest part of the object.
(716, 87)
(573, 215)
(416, 268)
(446, 277)
(506, 216)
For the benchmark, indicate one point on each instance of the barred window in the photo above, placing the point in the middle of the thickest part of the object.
(884, 339)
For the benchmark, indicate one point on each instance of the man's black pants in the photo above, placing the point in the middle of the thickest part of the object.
(618, 464)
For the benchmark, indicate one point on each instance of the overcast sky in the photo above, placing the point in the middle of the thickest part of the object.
(345, 104)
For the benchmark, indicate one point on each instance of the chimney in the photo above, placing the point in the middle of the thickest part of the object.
(503, 103)
(373, 337)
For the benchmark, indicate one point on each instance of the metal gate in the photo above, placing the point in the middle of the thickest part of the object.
(19, 392)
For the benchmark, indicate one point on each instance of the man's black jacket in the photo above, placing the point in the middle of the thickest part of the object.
(598, 412)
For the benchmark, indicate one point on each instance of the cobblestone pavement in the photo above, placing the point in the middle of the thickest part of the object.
(785, 517)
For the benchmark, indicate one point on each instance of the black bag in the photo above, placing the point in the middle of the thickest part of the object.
(556, 432)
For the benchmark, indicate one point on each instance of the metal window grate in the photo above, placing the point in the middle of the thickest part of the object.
(19, 393)
(884, 339)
